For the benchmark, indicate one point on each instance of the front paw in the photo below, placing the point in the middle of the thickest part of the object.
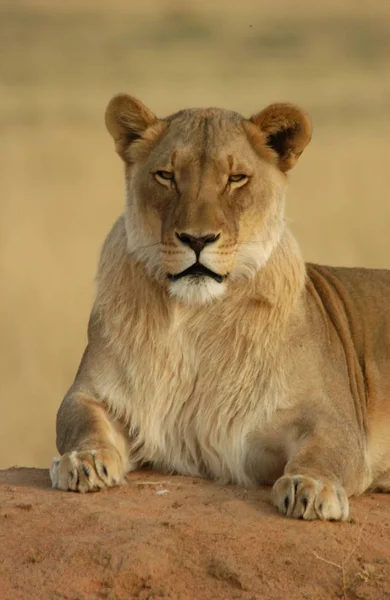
(303, 497)
(87, 471)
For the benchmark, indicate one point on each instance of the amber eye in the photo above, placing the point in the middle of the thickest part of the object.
(238, 178)
(165, 175)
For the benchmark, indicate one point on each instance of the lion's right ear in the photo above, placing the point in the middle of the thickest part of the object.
(126, 120)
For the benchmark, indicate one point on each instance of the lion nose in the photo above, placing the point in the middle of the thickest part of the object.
(197, 243)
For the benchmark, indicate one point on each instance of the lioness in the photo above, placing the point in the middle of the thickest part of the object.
(213, 350)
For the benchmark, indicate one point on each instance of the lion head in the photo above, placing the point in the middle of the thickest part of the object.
(205, 190)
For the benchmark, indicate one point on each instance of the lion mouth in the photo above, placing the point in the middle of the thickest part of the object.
(197, 270)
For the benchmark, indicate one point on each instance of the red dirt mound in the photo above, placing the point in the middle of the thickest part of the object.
(182, 538)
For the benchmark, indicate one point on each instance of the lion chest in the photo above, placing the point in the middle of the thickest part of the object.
(198, 406)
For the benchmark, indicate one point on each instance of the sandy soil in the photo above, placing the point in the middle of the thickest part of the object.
(182, 538)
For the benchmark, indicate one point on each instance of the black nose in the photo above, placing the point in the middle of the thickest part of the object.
(197, 243)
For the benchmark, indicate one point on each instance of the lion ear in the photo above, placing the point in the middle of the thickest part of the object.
(287, 130)
(126, 120)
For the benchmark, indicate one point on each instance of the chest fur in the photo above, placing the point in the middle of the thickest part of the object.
(195, 394)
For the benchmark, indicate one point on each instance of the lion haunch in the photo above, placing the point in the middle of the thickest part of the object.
(213, 349)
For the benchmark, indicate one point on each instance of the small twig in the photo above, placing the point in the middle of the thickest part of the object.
(329, 562)
(358, 540)
(164, 482)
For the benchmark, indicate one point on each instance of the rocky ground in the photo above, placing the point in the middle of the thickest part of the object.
(182, 538)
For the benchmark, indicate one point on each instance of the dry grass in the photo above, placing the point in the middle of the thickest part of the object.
(61, 184)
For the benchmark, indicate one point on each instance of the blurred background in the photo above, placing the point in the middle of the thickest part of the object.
(61, 182)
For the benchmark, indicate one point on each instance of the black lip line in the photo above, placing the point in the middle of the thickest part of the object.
(197, 269)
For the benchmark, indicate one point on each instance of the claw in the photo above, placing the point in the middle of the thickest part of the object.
(87, 470)
(303, 497)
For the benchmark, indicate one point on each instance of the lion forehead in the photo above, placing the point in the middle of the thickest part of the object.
(194, 116)
(203, 130)
(209, 137)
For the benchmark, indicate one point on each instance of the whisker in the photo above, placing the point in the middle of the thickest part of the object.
(249, 243)
(149, 246)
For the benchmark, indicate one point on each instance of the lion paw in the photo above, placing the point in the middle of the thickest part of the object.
(87, 471)
(303, 497)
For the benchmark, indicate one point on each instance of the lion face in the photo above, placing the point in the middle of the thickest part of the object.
(205, 191)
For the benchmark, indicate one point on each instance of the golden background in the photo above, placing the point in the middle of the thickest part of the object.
(61, 182)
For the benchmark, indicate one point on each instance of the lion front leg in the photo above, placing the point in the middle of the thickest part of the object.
(317, 480)
(94, 447)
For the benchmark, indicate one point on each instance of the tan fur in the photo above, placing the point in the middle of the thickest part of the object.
(273, 372)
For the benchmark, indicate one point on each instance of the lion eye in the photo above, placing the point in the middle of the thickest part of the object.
(238, 178)
(165, 175)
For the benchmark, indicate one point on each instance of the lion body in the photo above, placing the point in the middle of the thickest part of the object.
(275, 371)
(226, 392)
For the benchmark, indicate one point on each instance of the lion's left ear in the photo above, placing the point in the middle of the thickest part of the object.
(287, 131)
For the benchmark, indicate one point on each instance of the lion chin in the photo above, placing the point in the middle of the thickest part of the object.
(196, 285)
(213, 349)
(196, 290)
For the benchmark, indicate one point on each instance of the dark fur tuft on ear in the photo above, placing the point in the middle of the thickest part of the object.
(126, 120)
(287, 130)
